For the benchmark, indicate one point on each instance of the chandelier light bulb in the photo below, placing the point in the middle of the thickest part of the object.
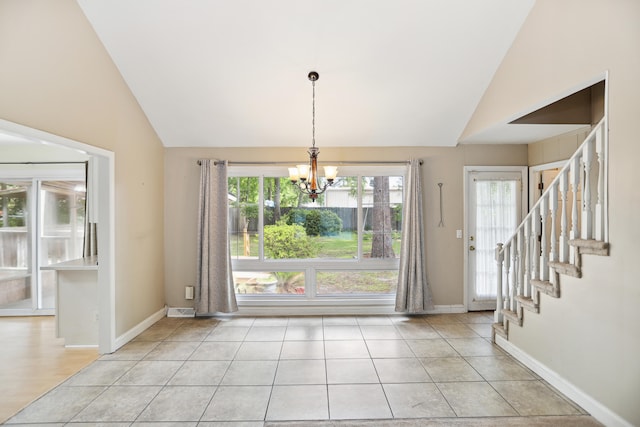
(303, 172)
(330, 173)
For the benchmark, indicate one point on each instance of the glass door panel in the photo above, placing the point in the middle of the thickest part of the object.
(15, 245)
(61, 231)
(494, 211)
(36, 232)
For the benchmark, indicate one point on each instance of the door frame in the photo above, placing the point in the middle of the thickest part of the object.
(105, 172)
(524, 196)
(534, 171)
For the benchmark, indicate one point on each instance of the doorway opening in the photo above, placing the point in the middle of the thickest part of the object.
(102, 169)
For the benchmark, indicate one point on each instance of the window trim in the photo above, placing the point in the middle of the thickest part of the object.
(312, 265)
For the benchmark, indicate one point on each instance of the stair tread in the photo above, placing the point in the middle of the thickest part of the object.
(543, 282)
(546, 287)
(512, 316)
(566, 268)
(590, 246)
(589, 243)
(528, 303)
(562, 265)
(499, 329)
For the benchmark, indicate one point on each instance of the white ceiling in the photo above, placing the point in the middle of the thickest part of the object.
(234, 73)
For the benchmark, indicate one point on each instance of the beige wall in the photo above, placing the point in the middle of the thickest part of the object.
(444, 251)
(590, 336)
(56, 77)
(557, 148)
(39, 153)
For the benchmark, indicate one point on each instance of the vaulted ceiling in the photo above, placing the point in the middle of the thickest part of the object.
(234, 73)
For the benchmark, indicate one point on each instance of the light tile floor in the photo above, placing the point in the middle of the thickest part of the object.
(245, 371)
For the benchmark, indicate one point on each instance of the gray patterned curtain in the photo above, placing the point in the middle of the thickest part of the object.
(413, 294)
(214, 290)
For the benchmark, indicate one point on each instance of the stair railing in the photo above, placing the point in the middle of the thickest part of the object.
(544, 236)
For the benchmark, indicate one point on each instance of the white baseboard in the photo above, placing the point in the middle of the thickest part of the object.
(443, 309)
(588, 403)
(371, 309)
(81, 346)
(140, 327)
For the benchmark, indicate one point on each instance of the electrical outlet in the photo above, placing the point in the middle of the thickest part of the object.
(188, 292)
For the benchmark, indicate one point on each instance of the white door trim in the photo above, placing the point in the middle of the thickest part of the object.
(533, 170)
(467, 170)
(106, 213)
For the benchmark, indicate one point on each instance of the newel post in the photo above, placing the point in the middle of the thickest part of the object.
(499, 302)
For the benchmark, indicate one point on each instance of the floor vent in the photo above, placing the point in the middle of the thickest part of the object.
(181, 312)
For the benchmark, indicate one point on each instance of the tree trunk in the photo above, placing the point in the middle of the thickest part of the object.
(382, 244)
(300, 195)
(276, 201)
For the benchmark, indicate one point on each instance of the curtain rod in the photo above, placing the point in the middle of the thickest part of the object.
(373, 162)
(41, 163)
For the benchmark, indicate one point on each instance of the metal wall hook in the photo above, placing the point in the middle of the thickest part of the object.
(441, 223)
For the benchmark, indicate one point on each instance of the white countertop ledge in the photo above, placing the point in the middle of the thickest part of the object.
(88, 263)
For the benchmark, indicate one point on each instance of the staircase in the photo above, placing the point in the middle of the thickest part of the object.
(568, 221)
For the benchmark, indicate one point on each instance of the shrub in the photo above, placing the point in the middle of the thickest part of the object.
(317, 222)
(282, 241)
(312, 223)
(330, 223)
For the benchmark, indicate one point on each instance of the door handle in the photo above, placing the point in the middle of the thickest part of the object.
(472, 248)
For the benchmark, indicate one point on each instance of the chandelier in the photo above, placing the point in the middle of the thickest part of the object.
(305, 177)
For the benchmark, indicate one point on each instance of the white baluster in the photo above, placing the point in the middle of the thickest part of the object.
(521, 256)
(599, 209)
(507, 272)
(499, 258)
(544, 254)
(587, 160)
(515, 269)
(527, 258)
(535, 235)
(564, 241)
(574, 180)
(553, 207)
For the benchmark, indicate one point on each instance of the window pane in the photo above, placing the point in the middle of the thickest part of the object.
(496, 218)
(15, 246)
(278, 282)
(357, 282)
(297, 228)
(62, 221)
(63, 204)
(243, 217)
(382, 205)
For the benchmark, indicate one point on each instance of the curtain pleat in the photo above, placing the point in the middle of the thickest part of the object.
(214, 291)
(413, 294)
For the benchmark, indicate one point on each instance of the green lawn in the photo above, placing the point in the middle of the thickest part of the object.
(342, 246)
(357, 282)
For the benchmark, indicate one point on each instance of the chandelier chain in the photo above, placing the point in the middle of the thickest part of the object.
(313, 114)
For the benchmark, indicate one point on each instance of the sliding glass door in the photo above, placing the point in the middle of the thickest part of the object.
(15, 245)
(41, 223)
